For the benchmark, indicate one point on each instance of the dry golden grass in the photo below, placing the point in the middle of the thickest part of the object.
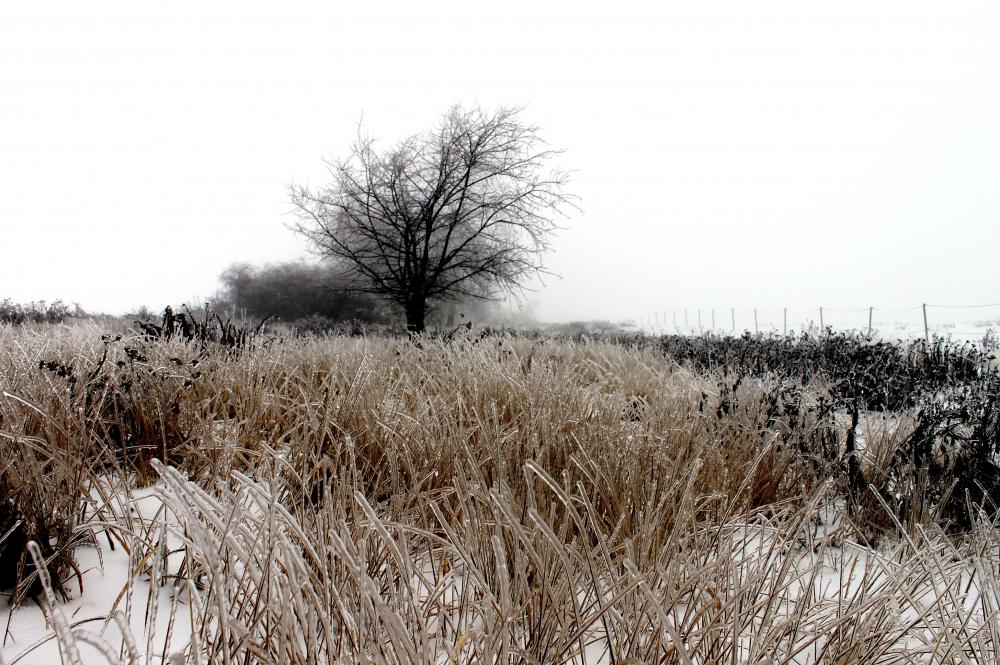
(498, 500)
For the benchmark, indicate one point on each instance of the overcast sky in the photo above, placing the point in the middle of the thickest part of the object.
(728, 154)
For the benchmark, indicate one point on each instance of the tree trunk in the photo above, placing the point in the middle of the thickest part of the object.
(415, 313)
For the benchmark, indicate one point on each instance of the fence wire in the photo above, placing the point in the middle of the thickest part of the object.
(924, 320)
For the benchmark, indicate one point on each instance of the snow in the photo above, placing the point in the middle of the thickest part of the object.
(29, 637)
(823, 570)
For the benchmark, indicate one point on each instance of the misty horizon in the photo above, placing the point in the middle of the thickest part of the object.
(724, 157)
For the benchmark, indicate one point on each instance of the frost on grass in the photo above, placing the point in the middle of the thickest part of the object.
(495, 500)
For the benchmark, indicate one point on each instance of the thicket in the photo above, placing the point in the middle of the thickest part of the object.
(314, 298)
(296, 292)
(945, 468)
(876, 374)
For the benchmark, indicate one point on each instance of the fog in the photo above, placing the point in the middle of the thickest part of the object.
(725, 154)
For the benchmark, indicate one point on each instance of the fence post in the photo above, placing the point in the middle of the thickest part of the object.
(784, 321)
(676, 329)
(732, 315)
(756, 328)
(870, 310)
(713, 320)
(821, 326)
(699, 320)
(927, 335)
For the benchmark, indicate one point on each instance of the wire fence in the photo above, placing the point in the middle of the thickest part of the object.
(966, 322)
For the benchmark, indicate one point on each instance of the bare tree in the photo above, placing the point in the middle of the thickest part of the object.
(463, 211)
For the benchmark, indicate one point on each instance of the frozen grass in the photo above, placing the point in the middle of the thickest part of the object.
(500, 500)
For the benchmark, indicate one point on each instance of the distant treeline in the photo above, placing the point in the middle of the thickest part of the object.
(296, 291)
(311, 296)
(315, 296)
(37, 311)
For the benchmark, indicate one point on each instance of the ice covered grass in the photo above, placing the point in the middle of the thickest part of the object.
(267, 584)
(477, 501)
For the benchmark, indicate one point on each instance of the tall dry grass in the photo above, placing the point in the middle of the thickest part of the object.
(499, 500)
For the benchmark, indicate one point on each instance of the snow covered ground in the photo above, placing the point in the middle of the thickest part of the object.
(157, 615)
(926, 584)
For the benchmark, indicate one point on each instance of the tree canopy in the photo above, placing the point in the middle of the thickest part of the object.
(465, 210)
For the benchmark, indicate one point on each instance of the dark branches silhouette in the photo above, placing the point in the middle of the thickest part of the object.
(463, 211)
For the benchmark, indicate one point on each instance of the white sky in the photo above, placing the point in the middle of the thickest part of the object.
(746, 154)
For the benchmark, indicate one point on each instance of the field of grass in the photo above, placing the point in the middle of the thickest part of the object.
(491, 499)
